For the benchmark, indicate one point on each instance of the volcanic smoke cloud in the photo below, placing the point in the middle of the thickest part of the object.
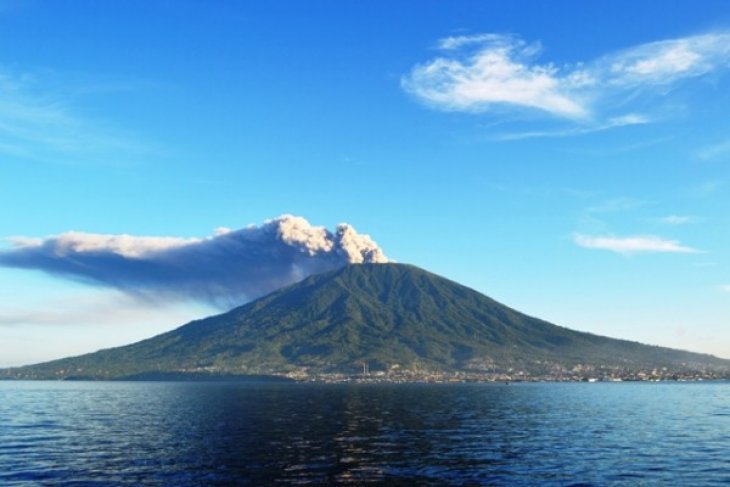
(229, 268)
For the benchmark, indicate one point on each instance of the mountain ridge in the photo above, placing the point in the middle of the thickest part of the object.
(388, 316)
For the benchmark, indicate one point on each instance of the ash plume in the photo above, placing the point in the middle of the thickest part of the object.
(228, 268)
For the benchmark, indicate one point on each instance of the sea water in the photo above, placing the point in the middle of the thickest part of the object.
(181, 433)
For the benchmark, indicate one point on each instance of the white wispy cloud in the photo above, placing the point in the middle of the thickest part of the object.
(677, 219)
(96, 318)
(91, 308)
(38, 122)
(707, 188)
(664, 62)
(618, 204)
(632, 245)
(725, 287)
(501, 71)
(611, 123)
(456, 42)
(714, 151)
(490, 72)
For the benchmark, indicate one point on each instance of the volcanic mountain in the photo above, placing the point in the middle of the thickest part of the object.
(389, 316)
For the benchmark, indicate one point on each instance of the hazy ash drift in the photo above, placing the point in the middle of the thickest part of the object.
(228, 268)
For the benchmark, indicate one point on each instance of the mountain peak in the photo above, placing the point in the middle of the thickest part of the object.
(387, 315)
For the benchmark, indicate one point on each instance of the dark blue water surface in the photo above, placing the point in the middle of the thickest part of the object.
(148, 433)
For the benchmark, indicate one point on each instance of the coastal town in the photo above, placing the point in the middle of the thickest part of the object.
(578, 374)
(393, 375)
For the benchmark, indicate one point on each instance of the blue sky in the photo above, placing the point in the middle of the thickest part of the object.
(570, 159)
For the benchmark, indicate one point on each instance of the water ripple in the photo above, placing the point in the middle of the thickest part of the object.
(189, 434)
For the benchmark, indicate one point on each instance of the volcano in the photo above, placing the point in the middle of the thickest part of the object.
(385, 317)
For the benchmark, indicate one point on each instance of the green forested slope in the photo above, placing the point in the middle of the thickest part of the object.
(387, 315)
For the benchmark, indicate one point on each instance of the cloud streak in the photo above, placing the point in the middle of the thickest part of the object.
(665, 62)
(677, 219)
(501, 71)
(492, 72)
(715, 151)
(632, 245)
(611, 123)
(93, 308)
(38, 123)
(226, 269)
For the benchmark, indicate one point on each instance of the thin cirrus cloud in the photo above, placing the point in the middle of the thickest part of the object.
(39, 123)
(677, 220)
(633, 244)
(613, 122)
(89, 308)
(719, 150)
(228, 268)
(490, 72)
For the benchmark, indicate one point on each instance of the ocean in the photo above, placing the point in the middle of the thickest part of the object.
(204, 433)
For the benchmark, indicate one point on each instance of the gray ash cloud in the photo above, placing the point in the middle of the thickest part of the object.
(228, 268)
